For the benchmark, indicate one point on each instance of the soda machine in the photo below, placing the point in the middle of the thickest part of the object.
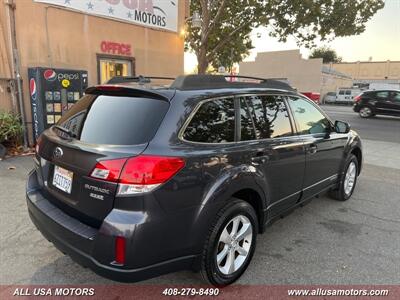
(52, 93)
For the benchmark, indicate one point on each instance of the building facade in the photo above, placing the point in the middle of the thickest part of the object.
(370, 71)
(306, 75)
(104, 38)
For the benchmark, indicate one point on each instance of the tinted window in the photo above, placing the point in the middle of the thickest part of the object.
(270, 116)
(383, 94)
(341, 92)
(309, 119)
(348, 92)
(396, 96)
(114, 120)
(247, 126)
(214, 122)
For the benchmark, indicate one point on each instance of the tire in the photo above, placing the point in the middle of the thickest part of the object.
(366, 112)
(344, 191)
(223, 273)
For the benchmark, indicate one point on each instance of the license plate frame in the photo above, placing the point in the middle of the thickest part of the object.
(62, 179)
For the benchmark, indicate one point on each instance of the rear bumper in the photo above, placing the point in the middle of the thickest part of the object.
(88, 246)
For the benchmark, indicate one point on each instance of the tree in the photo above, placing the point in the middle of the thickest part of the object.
(227, 24)
(327, 54)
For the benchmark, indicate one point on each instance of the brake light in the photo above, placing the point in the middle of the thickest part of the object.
(357, 98)
(138, 174)
(143, 174)
(120, 250)
(108, 170)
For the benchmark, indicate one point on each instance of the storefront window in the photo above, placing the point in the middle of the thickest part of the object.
(110, 67)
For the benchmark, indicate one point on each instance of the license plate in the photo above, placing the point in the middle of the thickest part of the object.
(62, 179)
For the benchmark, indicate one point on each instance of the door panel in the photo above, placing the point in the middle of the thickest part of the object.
(276, 152)
(324, 148)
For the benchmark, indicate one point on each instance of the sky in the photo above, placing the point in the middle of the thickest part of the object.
(380, 40)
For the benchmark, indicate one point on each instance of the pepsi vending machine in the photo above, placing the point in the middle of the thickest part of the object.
(53, 92)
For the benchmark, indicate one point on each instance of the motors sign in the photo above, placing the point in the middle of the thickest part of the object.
(159, 14)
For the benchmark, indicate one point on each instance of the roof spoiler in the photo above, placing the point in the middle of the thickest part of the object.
(121, 90)
(136, 79)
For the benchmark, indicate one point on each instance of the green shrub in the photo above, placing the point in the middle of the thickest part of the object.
(11, 130)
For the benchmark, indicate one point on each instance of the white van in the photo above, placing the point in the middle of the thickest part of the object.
(346, 95)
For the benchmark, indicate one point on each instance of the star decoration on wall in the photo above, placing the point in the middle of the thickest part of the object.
(129, 14)
(67, 2)
(90, 5)
(111, 10)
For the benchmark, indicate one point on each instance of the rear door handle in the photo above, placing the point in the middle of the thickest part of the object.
(260, 157)
(312, 149)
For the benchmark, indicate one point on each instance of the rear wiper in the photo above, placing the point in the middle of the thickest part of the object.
(65, 130)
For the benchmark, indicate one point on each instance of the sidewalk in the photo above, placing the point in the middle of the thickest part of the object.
(383, 154)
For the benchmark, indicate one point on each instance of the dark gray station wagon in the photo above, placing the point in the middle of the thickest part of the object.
(136, 181)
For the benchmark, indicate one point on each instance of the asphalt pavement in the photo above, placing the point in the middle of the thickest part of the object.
(378, 128)
(324, 242)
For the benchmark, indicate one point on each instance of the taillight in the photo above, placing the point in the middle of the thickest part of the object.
(37, 146)
(357, 98)
(144, 173)
(138, 174)
(108, 170)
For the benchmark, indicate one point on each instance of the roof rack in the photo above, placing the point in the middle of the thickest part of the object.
(136, 79)
(199, 82)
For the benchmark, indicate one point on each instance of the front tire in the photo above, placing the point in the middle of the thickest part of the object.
(230, 243)
(348, 180)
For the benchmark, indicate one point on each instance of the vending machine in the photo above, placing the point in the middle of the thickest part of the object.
(52, 93)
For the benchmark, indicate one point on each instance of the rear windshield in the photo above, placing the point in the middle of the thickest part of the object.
(114, 120)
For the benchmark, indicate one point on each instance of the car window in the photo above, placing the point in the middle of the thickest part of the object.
(214, 122)
(382, 94)
(247, 126)
(270, 116)
(396, 96)
(309, 119)
(114, 120)
(348, 92)
(341, 92)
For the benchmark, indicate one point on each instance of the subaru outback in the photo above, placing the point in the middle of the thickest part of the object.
(136, 180)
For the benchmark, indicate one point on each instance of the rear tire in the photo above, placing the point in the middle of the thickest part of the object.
(366, 112)
(348, 180)
(228, 252)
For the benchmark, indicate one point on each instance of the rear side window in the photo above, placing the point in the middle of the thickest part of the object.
(114, 120)
(382, 94)
(214, 122)
(271, 119)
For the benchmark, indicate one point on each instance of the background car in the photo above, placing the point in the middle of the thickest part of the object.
(313, 96)
(378, 102)
(346, 95)
(329, 97)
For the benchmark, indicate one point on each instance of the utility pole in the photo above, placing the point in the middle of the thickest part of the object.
(16, 67)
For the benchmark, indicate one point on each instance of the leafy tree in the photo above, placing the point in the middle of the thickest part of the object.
(327, 54)
(226, 24)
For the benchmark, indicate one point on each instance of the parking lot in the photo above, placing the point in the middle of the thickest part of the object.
(324, 242)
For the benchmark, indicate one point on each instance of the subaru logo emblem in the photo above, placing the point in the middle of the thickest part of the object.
(58, 153)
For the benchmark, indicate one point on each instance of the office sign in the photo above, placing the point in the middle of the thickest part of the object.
(160, 14)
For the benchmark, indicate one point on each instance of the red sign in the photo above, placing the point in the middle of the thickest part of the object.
(115, 48)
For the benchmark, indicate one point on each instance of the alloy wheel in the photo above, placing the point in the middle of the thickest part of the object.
(350, 178)
(365, 112)
(234, 244)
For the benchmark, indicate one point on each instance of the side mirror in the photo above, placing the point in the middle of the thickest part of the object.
(342, 127)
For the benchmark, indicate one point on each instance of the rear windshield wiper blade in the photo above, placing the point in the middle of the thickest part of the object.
(65, 130)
